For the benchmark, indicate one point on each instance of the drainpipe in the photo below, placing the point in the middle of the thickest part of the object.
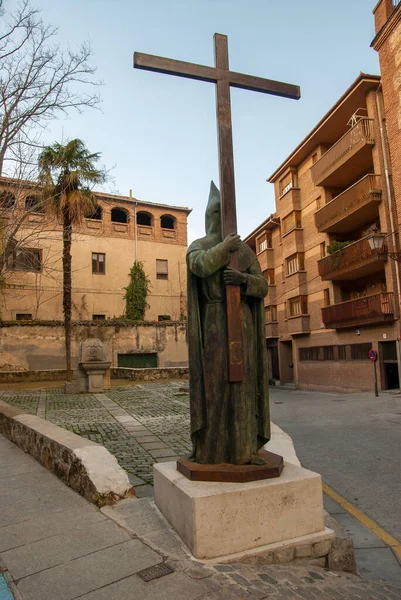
(135, 228)
(391, 205)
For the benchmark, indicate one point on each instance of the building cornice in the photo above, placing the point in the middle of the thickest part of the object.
(387, 29)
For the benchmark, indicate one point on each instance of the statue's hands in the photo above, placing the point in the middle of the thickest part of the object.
(232, 242)
(233, 277)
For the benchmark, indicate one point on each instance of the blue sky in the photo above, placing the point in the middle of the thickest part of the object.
(159, 131)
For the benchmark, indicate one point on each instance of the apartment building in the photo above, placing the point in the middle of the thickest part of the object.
(387, 43)
(121, 230)
(328, 253)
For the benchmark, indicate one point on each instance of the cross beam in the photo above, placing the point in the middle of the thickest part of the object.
(224, 79)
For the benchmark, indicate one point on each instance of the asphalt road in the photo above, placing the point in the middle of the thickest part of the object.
(354, 441)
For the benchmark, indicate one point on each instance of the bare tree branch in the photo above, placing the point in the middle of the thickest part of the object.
(38, 80)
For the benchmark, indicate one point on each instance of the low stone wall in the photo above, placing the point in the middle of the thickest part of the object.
(38, 346)
(21, 376)
(150, 374)
(86, 467)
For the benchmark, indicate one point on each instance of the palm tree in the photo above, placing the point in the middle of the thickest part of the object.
(66, 173)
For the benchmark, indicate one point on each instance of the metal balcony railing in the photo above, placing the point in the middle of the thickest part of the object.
(359, 135)
(361, 311)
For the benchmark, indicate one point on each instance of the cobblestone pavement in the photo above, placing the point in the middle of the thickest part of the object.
(139, 424)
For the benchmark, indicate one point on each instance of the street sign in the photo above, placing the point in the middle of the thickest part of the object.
(372, 355)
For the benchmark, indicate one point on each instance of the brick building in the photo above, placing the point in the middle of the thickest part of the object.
(104, 248)
(387, 43)
(332, 297)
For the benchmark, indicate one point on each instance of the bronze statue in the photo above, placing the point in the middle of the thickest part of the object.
(229, 421)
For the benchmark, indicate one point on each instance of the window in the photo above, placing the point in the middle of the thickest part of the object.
(161, 269)
(309, 353)
(326, 294)
(98, 317)
(167, 222)
(98, 263)
(298, 306)
(360, 351)
(292, 221)
(342, 352)
(295, 263)
(25, 259)
(33, 204)
(287, 182)
(318, 202)
(163, 317)
(322, 249)
(7, 200)
(328, 352)
(96, 214)
(119, 215)
(269, 274)
(271, 313)
(264, 242)
(262, 245)
(23, 317)
(144, 218)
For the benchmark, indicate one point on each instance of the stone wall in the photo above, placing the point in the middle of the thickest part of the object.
(85, 466)
(40, 346)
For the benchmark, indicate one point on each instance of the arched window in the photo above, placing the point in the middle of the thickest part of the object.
(167, 222)
(34, 204)
(119, 215)
(144, 218)
(97, 214)
(7, 200)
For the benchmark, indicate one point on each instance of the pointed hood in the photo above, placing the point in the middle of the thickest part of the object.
(213, 211)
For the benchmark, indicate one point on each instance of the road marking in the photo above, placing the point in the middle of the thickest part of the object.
(365, 520)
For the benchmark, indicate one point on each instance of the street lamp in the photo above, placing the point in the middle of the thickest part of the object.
(376, 242)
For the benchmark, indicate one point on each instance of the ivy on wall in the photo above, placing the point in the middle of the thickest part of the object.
(136, 293)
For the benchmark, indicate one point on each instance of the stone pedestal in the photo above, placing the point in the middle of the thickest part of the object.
(217, 520)
(92, 367)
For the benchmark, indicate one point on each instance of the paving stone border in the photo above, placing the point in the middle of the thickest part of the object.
(85, 466)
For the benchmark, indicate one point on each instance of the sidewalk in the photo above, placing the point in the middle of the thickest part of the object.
(54, 545)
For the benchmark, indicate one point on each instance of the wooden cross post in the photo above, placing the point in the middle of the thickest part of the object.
(224, 78)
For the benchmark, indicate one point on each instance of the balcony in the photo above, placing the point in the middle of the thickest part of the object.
(272, 330)
(361, 311)
(356, 205)
(353, 262)
(350, 157)
(266, 259)
(298, 325)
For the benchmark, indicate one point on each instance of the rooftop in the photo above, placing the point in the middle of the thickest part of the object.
(334, 123)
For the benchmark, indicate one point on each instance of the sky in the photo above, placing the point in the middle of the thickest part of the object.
(157, 133)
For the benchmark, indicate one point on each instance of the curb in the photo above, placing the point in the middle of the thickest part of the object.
(85, 466)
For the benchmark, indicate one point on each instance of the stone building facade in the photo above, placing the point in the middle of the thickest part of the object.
(120, 231)
(331, 296)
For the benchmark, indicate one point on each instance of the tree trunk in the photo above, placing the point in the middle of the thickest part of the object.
(67, 289)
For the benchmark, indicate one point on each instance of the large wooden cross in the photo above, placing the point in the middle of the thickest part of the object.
(224, 78)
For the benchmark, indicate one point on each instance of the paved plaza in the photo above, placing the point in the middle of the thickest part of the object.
(54, 545)
(149, 422)
(139, 424)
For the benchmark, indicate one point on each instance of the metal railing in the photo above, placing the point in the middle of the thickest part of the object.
(359, 134)
(365, 310)
(356, 196)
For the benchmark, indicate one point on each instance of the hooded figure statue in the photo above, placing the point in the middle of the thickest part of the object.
(229, 421)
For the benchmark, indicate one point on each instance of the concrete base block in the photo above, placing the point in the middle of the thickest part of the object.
(218, 520)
